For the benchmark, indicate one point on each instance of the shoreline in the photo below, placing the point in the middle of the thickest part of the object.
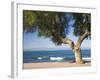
(42, 65)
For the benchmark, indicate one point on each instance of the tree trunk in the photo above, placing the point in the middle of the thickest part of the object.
(75, 48)
(78, 55)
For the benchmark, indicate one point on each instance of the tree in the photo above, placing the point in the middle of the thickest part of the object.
(55, 25)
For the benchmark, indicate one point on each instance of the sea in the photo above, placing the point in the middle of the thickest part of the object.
(36, 56)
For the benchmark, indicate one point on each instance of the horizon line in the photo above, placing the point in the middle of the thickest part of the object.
(50, 49)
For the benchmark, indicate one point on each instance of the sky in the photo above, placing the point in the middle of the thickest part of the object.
(33, 42)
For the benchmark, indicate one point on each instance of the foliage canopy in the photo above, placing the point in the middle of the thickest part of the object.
(55, 25)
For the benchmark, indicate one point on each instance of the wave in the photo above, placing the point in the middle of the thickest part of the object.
(56, 58)
(61, 58)
(43, 57)
(86, 58)
(39, 58)
(51, 58)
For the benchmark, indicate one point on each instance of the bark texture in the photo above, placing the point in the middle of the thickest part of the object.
(76, 47)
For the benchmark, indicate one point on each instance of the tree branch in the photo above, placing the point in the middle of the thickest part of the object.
(68, 41)
(81, 38)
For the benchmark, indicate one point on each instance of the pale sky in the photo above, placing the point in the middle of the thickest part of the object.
(33, 42)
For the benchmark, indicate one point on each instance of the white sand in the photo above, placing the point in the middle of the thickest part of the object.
(53, 65)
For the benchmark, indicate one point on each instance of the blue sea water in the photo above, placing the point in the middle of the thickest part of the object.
(52, 56)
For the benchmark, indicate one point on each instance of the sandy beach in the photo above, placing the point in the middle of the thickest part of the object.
(52, 65)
